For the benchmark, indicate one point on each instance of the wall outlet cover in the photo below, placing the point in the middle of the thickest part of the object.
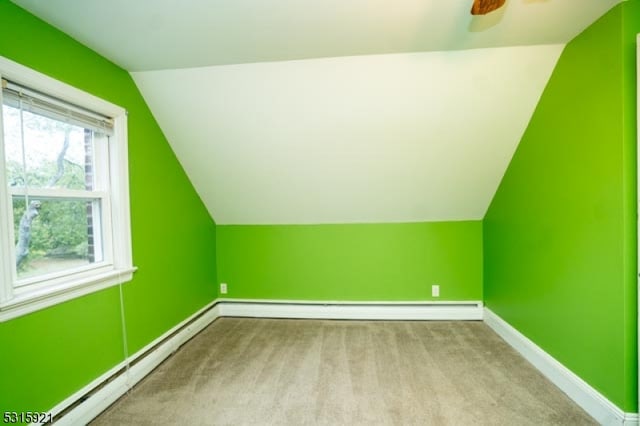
(435, 290)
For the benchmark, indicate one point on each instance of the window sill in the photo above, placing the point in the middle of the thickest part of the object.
(35, 300)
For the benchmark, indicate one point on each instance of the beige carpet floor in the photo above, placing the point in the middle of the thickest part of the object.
(308, 372)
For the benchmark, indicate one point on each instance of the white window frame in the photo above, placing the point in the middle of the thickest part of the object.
(117, 268)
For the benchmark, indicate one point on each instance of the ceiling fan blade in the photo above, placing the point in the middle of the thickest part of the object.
(482, 7)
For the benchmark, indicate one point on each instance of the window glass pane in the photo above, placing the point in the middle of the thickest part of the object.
(47, 153)
(53, 235)
(13, 146)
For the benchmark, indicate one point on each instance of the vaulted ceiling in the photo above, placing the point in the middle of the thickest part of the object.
(338, 110)
(379, 138)
(142, 35)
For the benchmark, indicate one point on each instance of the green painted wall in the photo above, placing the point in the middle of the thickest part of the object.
(559, 236)
(352, 262)
(631, 27)
(48, 355)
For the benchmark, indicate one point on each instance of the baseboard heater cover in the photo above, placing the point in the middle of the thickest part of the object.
(352, 310)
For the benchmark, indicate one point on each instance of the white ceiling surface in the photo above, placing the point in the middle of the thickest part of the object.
(379, 138)
(362, 130)
(163, 34)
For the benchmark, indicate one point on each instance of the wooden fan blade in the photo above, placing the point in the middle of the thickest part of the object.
(482, 7)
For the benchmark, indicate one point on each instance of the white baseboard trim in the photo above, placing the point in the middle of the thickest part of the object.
(141, 364)
(631, 419)
(351, 310)
(592, 401)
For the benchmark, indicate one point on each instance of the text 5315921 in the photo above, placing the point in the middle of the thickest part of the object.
(26, 417)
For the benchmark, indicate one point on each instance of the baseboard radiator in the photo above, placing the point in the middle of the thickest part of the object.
(352, 310)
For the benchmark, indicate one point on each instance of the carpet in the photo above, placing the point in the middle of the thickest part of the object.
(241, 371)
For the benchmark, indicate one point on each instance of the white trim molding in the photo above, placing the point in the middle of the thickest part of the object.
(43, 298)
(409, 310)
(589, 399)
(631, 419)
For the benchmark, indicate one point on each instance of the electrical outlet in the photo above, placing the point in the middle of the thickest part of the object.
(223, 288)
(435, 290)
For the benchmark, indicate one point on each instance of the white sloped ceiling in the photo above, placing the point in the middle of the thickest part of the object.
(380, 138)
(334, 111)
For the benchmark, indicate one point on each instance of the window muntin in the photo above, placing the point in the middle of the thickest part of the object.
(63, 153)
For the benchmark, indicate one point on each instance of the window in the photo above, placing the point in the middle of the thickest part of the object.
(64, 204)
